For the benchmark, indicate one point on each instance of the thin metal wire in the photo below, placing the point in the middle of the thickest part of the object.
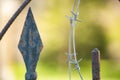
(77, 6)
(73, 19)
(73, 29)
(69, 52)
(73, 7)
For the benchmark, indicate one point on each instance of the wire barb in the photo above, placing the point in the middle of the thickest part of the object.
(72, 59)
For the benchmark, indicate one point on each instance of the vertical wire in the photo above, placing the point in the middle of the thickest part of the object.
(69, 56)
(69, 45)
(74, 22)
(69, 51)
(77, 6)
(73, 7)
(69, 70)
(73, 39)
(80, 75)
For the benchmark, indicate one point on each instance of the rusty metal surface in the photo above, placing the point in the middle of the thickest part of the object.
(12, 19)
(95, 64)
(30, 46)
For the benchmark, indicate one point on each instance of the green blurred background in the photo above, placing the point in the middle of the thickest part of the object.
(99, 29)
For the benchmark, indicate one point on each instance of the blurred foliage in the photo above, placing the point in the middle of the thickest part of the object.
(95, 2)
(61, 73)
(90, 37)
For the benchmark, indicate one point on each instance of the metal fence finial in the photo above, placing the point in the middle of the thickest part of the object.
(30, 46)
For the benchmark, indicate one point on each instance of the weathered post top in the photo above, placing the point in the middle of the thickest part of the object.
(30, 46)
(95, 64)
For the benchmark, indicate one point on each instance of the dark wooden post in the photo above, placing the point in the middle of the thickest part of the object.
(95, 64)
(30, 46)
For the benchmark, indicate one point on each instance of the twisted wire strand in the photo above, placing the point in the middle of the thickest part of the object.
(71, 43)
(73, 20)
